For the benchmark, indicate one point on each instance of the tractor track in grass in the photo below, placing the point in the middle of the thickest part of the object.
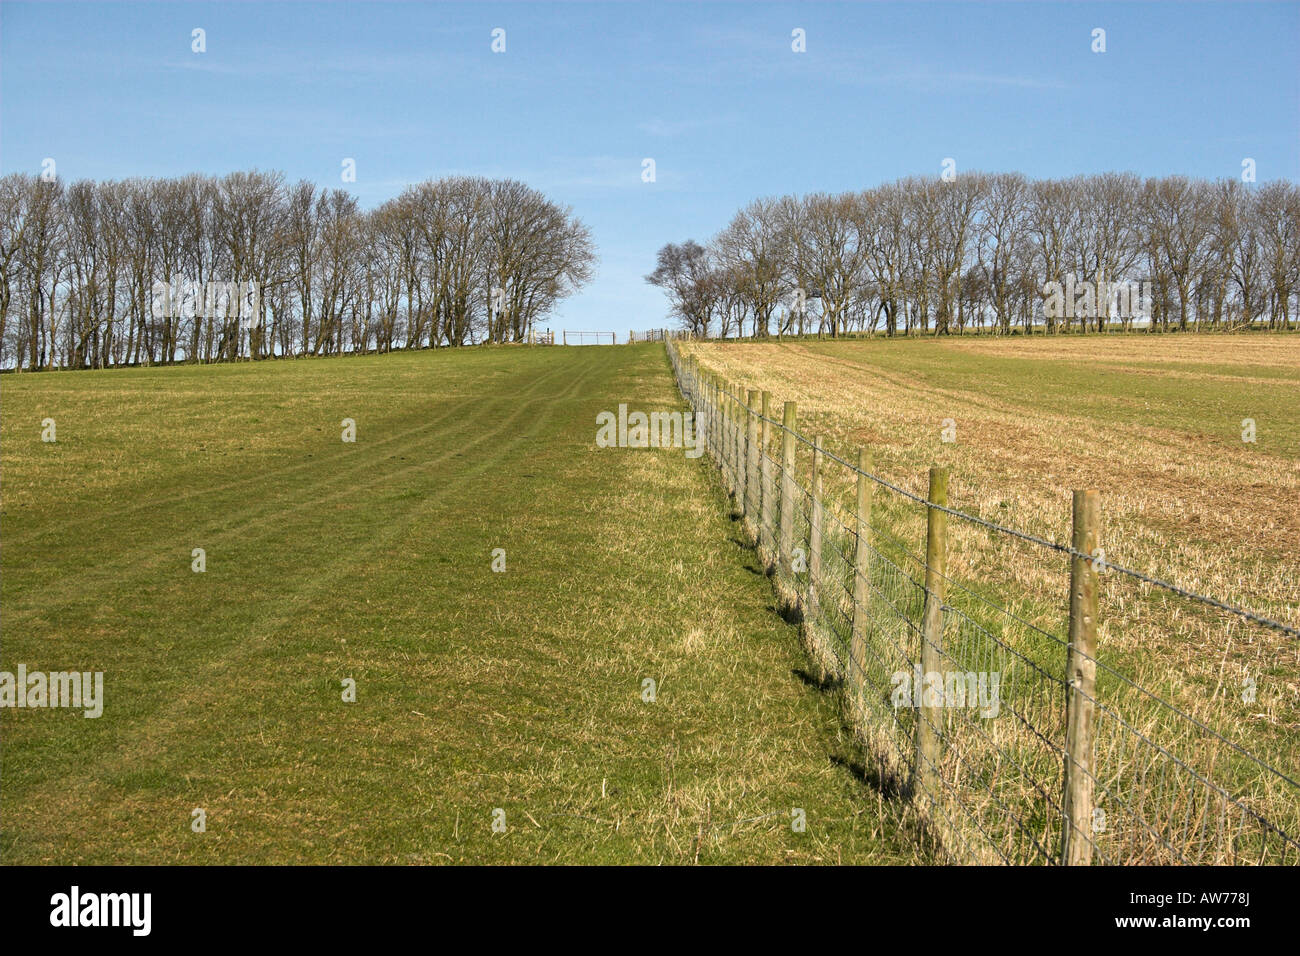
(191, 715)
(329, 490)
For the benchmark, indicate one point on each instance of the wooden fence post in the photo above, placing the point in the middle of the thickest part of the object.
(936, 566)
(740, 453)
(861, 576)
(728, 438)
(714, 424)
(815, 533)
(1081, 686)
(751, 458)
(717, 421)
(733, 446)
(765, 474)
(789, 418)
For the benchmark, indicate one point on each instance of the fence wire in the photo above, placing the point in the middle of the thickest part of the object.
(1165, 787)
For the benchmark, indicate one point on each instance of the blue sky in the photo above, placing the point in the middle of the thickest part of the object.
(712, 92)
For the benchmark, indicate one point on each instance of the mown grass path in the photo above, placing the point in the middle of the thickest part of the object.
(328, 560)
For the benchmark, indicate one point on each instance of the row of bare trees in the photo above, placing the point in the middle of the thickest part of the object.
(979, 252)
(448, 262)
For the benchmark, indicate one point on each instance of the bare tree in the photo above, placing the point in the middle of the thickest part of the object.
(686, 274)
(1003, 239)
(756, 252)
(831, 250)
(1278, 212)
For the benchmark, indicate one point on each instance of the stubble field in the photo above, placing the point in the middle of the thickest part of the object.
(1156, 425)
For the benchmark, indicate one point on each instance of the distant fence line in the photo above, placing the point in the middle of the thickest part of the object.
(661, 335)
(585, 338)
(823, 334)
(1064, 771)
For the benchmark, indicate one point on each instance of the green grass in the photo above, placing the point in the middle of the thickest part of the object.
(372, 561)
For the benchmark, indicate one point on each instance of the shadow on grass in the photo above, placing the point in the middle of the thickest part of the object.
(850, 754)
(891, 786)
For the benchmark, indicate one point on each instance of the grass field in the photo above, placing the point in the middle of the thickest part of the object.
(371, 560)
(1156, 425)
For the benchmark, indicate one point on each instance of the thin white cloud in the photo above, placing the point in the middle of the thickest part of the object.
(939, 81)
(745, 54)
(670, 128)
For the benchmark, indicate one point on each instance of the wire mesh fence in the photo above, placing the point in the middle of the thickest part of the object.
(996, 716)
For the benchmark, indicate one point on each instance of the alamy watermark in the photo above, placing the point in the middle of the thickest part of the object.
(655, 430)
(1084, 299)
(973, 689)
(188, 299)
(82, 690)
(129, 910)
